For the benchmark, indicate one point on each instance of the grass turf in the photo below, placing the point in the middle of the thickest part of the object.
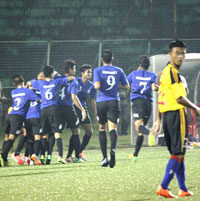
(88, 181)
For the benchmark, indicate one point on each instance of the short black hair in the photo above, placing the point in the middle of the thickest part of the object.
(107, 56)
(85, 67)
(48, 70)
(17, 79)
(177, 43)
(68, 64)
(145, 62)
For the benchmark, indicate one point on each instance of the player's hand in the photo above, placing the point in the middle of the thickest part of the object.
(197, 110)
(83, 115)
(96, 120)
(156, 128)
(70, 78)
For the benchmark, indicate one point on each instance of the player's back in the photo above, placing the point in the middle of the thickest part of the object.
(109, 78)
(20, 97)
(34, 108)
(49, 90)
(141, 81)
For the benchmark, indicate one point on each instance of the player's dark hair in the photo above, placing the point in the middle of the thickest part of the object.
(85, 67)
(68, 64)
(107, 56)
(177, 43)
(17, 79)
(48, 70)
(145, 62)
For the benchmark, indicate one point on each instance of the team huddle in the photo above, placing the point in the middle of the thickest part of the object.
(52, 102)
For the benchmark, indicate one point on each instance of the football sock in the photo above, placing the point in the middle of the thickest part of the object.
(138, 145)
(30, 148)
(71, 146)
(20, 145)
(3, 145)
(60, 146)
(51, 144)
(44, 142)
(181, 176)
(77, 145)
(171, 169)
(37, 147)
(113, 140)
(85, 141)
(7, 148)
(103, 143)
(26, 150)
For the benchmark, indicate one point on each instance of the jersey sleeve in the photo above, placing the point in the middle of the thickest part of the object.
(62, 80)
(123, 79)
(74, 87)
(129, 78)
(35, 84)
(33, 96)
(96, 77)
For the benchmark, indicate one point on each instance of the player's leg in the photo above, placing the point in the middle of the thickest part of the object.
(7, 131)
(86, 138)
(16, 122)
(56, 124)
(141, 112)
(183, 191)
(175, 130)
(112, 116)
(87, 126)
(22, 140)
(102, 108)
(44, 146)
(139, 140)
(74, 142)
(50, 149)
(36, 128)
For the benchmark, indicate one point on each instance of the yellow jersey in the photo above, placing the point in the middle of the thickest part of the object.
(171, 88)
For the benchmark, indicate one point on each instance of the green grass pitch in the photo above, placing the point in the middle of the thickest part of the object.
(88, 181)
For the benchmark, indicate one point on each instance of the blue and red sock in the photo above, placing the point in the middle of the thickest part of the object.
(172, 168)
(181, 176)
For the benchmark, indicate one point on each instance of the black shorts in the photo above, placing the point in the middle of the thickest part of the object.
(108, 110)
(175, 129)
(69, 117)
(141, 109)
(79, 114)
(33, 126)
(16, 123)
(50, 120)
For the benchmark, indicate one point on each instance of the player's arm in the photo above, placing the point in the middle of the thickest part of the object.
(77, 102)
(124, 83)
(97, 85)
(154, 87)
(187, 103)
(156, 126)
(70, 78)
(93, 104)
(126, 87)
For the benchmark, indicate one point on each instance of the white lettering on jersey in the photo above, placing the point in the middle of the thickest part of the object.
(109, 72)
